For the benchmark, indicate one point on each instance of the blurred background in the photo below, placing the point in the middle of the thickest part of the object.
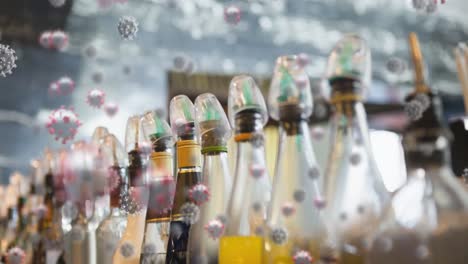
(195, 46)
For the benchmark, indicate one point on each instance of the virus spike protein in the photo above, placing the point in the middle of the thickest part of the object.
(64, 124)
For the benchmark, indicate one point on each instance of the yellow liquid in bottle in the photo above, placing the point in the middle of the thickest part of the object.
(348, 258)
(283, 254)
(241, 250)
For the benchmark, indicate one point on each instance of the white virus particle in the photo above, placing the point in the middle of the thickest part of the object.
(303, 60)
(128, 27)
(62, 86)
(63, 124)
(127, 249)
(424, 99)
(232, 15)
(57, 3)
(414, 110)
(314, 173)
(355, 158)
(190, 213)
(396, 65)
(69, 210)
(111, 109)
(288, 209)
(279, 235)
(257, 170)
(7, 60)
(319, 203)
(299, 196)
(95, 98)
(45, 40)
(215, 229)
(162, 195)
(16, 256)
(59, 40)
(199, 194)
(302, 257)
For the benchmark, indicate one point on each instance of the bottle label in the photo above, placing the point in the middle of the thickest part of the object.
(188, 154)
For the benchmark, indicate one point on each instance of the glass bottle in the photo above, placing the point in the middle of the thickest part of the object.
(295, 226)
(50, 248)
(427, 219)
(246, 212)
(212, 192)
(101, 207)
(135, 200)
(111, 229)
(184, 211)
(161, 185)
(11, 202)
(354, 191)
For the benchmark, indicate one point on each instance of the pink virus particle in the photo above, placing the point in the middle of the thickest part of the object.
(288, 209)
(56, 40)
(16, 256)
(215, 229)
(95, 98)
(113, 179)
(199, 194)
(111, 109)
(302, 257)
(162, 195)
(319, 203)
(63, 123)
(303, 60)
(62, 86)
(257, 170)
(232, 14)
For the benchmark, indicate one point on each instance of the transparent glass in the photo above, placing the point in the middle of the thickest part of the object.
(202, 246)
(212, 123)
(289, 86)
(426, 221)
(182, 114)
(132, 133)
(114, 151)
(155, 128)
(244, 94)
(296, 186)
(108, 234)
(98, 134)
(350, 58)
(354, 191)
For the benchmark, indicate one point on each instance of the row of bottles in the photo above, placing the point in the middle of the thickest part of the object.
(175, 201)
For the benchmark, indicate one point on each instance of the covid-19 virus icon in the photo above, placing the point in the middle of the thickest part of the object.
(232, 14)
(7, 60)
(57, 3)
(56, 40)
(63, 123)
(199, 194)
(215, 229)
(257, 170)
(97, 77)
(128, 27)
(302, 257)
(95, 98)
(319, 203)
(62, 86)
(396, 65)
(16, 256)
(111, 109)
(279, 235)
(161, 195)
(414, 110)
(127, 249)
(424, 99)
(288, 209)
(190, 213)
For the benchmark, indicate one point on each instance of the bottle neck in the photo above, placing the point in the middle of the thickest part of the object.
(188, 154)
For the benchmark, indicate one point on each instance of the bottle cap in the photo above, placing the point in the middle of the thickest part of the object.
(350, 59)
(212, 123)
(156, 130)
(182, 115)
(290, 91)
(244, 94)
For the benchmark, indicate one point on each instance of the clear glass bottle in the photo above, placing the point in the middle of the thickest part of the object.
(295, 226)
(184, 211)
(102, 197)
(212, 193)
(111, 229)
(354, 191)
(135, 201)
(247, 208)
(161, 185)
(427, 219)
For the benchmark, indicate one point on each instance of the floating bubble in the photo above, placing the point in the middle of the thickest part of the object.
(7, 60)
(95, 98)
(128, 27)
(215, 229)
(63, 123)
(199, 194)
